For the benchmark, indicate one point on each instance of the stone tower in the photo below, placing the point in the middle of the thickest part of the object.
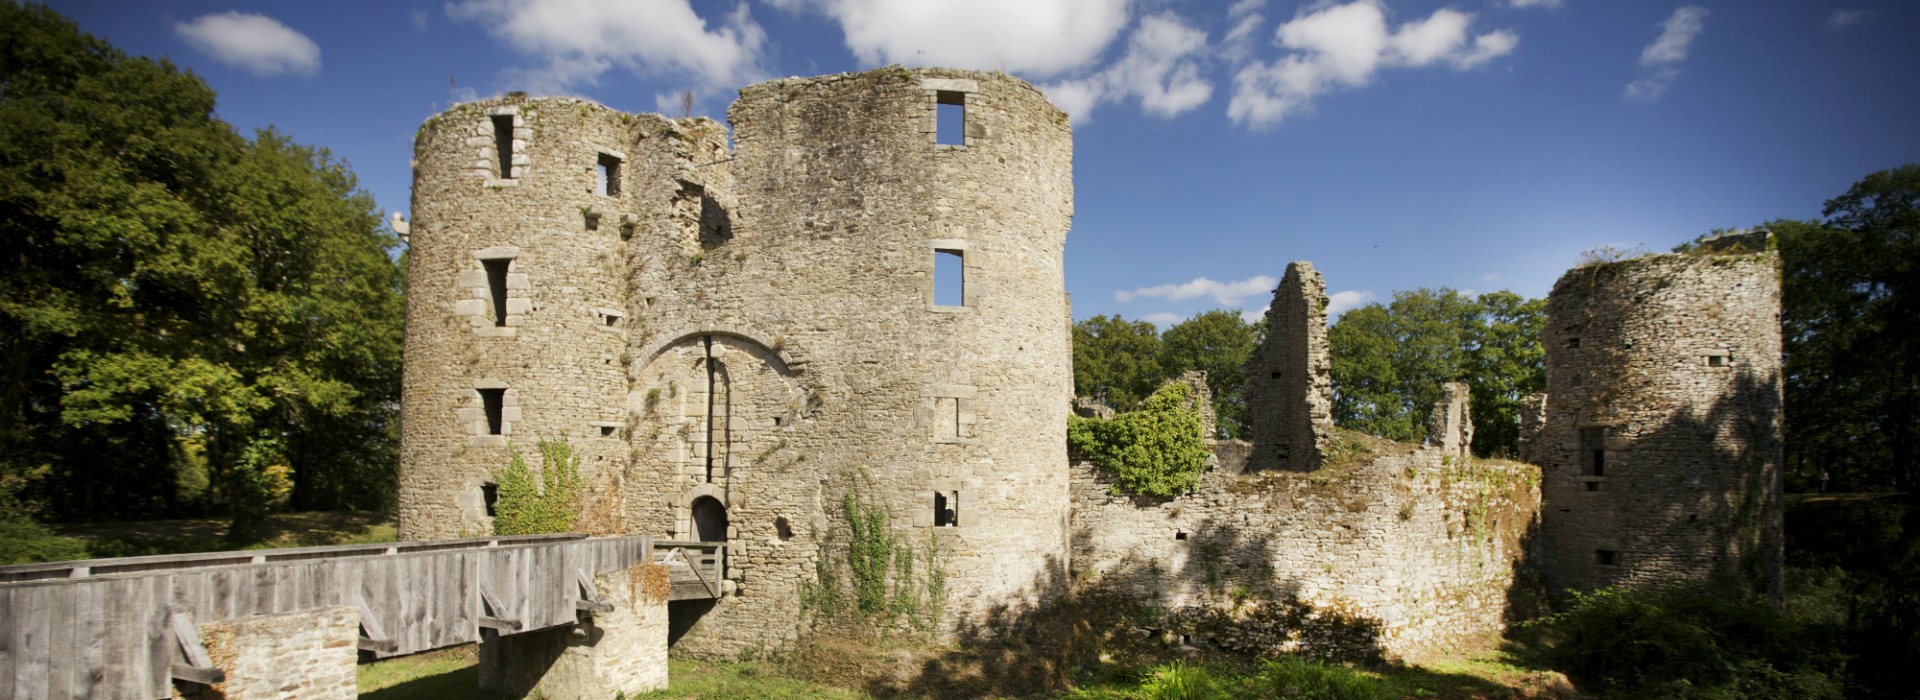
(1661, 447)
(1290, 377)
(863, 297)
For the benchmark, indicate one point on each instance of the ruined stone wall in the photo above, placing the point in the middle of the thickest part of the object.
(1661, 446)
(1289, 387)
(757, 329)
(1420, 542)
(309, 655)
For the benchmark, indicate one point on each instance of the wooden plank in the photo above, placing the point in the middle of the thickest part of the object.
(60, 641)
(192, 664)
(159, 683)
(88, 652)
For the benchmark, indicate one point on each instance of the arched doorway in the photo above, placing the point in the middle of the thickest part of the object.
(709, 520)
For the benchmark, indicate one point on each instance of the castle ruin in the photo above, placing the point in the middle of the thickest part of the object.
(863, 296)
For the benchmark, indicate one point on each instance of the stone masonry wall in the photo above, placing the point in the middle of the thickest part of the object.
(1289, 387)
(1662, 441)
(306, 655)
(1423, 543)
(618, 653)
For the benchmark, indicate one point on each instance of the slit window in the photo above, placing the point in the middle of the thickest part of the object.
(490, 497)
(950, 124)
(1716, 360)
(946, 508)
(1593, 451)
(1606, 557)
(494, 402)
(607, 176)
(607, 431)
(503, 143)
(1573, 343)
(949, 278)
(497, 287)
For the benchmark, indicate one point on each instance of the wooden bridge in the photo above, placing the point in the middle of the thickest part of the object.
(128, 627)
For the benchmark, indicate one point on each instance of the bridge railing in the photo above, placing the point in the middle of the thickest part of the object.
(697, 569)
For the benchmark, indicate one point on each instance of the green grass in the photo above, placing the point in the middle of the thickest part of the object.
(744, 680)
(447, 673)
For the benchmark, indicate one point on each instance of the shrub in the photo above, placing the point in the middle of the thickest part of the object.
(1154, 451)
(552, 504)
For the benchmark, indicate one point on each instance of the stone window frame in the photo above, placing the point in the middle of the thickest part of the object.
(474, 414)
(969, 274)
(479, 305)
(1611, 444)
(1717, 358)
(935, 402)
(488, 165)
(965, 504)
(939, 91)
(610, 320)
(613, 188)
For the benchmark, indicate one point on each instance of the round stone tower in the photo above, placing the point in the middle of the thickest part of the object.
(1662, 443)
(516, 300)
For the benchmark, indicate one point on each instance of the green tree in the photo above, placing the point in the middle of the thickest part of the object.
(1219, 343)
(1157, 450)
(1116, 361)
(1390, 360)
(176, 292)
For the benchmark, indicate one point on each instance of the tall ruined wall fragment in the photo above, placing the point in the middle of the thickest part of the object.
(1289, 387)
(1661, 448)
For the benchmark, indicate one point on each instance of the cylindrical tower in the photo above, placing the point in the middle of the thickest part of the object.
(1662, 443)
(516, 305)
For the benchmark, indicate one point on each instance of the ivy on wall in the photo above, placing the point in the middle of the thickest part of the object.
(1154, 451)
(551, 503)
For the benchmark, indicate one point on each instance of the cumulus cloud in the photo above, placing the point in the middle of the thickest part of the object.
(1535, 3)
(582, 39)
(1164, 319)
(1841, 19)
(1228, 293)
(1160, 67)
(257, 44)
(1340, 302)
(1660, 58)
(1018, 36)
(1336, 46)
(1254, 315)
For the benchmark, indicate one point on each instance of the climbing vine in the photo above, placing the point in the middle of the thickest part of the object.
(550, 504)
(887, 583)
(1154, 451)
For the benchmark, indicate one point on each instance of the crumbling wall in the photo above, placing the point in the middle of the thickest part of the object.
(1662, 440)
(1289, 387)
(309, 655)
(1417, 547)
(622, 652)
(1450, 426)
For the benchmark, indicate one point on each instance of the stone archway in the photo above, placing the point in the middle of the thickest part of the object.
(708, 520)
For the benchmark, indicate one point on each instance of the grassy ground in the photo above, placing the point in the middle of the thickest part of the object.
(311, 529)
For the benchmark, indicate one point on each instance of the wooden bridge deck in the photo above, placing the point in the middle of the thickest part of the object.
(113, 628)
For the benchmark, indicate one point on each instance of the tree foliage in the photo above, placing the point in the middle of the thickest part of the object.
(176, 292)
(1219, 343)
(1154, 451)
(1390, 360)
(1116, 361)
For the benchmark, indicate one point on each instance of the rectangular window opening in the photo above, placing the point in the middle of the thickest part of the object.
(1593, 486)
(490, 495)
(1573, 343)
(1716, 360)
(494, 401)
(503, 143)
(607, 176)
(1180, 535)
(497, 287)
(946, 508)
(1606, 557)
(950, 127)
(606, 431)
(1593, 451)
(949, 278)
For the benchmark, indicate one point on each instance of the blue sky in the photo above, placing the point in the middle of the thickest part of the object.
(1475, 144)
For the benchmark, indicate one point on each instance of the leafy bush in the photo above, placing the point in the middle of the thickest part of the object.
(1155, 451)
(552, 504)
(258, 483)
(1687, 645)
(1294, 677)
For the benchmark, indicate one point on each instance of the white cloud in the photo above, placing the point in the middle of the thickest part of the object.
(1667, 50)
(1229, 293)
(1164, 319)
(1245, 7)
(1160, 67)
(1841, 19)
(1336, 46)
(418, 18)
(1017, 36)
(256, 43)
(1254, 315)
(1676, 36)
(1340, 302)
(1551, 4)
(582, 39)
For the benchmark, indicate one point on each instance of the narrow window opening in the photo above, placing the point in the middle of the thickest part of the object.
(1716, 360)
(497, 287)
(607, 176)
(779, 421)
(1599, 462)
(1593, 451)
(503, 143)
(1606, 557)
(946, 508)
(1180, 535)
(494, 402)
(1573, 343)
(1273, 375)
(490, 495)
(607, 431)
(783, 528)
(611, 320)
(950, 127)
(949, 278)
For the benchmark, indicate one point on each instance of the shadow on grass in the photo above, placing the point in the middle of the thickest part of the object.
(455, 683)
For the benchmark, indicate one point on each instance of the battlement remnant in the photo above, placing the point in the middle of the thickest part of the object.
(1451, 424)
(1289, 388)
